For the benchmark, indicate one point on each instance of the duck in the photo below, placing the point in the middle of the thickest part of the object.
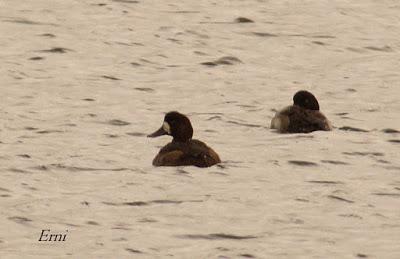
(303, 116)
(182, 150)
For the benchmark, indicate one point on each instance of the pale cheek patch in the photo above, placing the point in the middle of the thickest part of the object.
(166, 127)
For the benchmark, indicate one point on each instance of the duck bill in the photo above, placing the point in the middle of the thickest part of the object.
(158, 133)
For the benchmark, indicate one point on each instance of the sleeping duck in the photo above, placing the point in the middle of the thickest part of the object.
(301, 117)
(183, 150)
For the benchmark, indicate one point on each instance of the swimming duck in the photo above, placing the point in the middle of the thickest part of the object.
(301, 117)
(183, 150)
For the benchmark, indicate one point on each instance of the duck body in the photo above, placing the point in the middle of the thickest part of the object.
(192, 152)
(301, 117)
(183, 150)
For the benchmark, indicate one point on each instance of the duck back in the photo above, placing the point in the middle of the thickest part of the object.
(192, 152)
(295, 119)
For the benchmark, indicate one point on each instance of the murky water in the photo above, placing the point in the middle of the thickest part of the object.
(83, 82)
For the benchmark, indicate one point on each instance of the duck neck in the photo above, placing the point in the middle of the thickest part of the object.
(180, 140)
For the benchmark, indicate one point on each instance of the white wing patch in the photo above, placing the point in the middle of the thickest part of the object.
(276, 123)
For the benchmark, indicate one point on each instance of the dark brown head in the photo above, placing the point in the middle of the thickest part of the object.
(176, 125)
(306, 100)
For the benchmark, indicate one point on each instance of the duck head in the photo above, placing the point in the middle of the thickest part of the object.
(176, 125)
(306, 100)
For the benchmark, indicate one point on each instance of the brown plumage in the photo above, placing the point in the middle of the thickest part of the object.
(301, 117)
(183, 150)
